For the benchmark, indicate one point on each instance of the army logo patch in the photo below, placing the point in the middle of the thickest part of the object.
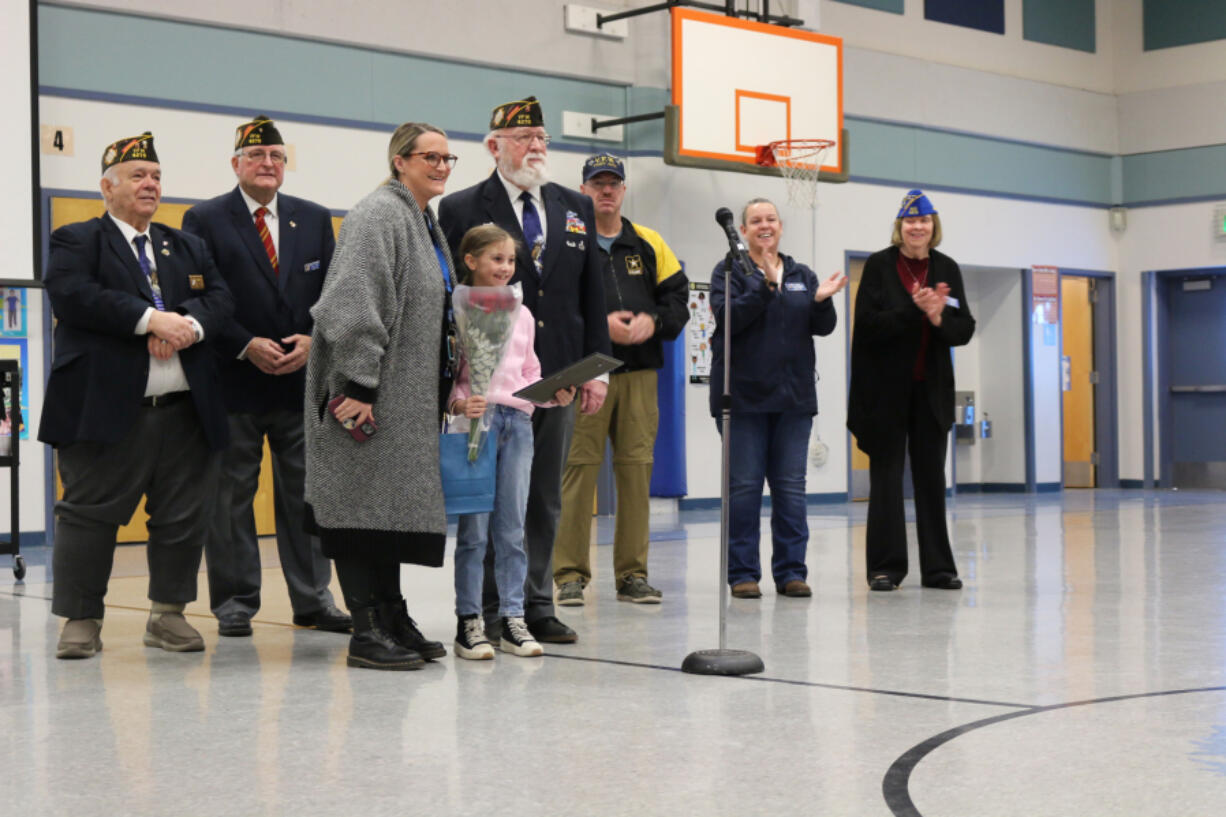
(634, 264)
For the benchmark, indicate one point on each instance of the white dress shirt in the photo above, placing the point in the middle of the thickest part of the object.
(165, 376)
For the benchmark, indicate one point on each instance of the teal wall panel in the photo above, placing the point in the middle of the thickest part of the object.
(120, 54)
(1172, 175)
(882, 150)
(1170, 23)
(895, 6)
(1068, 23)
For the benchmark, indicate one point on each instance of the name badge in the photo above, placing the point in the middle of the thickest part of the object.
(195, 281)
(794, 286)
(951, 301)
(311, 267)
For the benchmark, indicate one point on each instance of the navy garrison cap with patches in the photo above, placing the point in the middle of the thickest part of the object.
(522, 113)
(259, 131)
(131, 149)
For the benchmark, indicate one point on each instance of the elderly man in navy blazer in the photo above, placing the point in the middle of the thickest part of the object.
(132, 405)
(273, 251)
(559, 268)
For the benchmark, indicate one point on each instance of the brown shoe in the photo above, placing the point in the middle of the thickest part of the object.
(746, 590)
(80, 638)
(797, 589)
(170, 631)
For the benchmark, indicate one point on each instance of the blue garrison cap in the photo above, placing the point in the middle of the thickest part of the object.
(603, 163)
(915, 203)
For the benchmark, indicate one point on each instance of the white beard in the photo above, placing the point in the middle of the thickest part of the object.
(528, 175)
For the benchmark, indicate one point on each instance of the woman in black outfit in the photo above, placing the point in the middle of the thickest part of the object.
(910, 311)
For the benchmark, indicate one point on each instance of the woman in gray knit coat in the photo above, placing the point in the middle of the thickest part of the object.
(375, 498)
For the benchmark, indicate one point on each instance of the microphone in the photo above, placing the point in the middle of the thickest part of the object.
(723, 216)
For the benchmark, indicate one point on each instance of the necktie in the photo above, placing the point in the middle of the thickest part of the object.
(533, 234)
(141, 258)
(266, 237)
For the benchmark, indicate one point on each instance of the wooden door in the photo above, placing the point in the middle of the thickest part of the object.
(1077, 331)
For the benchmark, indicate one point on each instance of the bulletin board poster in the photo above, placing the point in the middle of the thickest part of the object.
(16, 349)
(13, 304)
(1045, 295)
(698, 333)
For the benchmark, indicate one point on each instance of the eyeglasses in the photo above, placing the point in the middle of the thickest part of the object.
(259, 156)
(437, 159)
(605, 184)
(526, 139)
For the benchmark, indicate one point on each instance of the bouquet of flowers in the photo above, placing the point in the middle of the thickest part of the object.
(485, 318)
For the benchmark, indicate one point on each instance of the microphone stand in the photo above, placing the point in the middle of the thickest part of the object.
(723, 661)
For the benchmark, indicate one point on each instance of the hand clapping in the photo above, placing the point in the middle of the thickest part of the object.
(931, 301)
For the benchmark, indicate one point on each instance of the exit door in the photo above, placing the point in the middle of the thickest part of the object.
(1079, 380)
(1196, 394)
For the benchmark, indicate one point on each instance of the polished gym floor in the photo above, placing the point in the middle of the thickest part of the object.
(1082, 671)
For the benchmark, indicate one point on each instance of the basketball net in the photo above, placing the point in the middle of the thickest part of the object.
(799, 162)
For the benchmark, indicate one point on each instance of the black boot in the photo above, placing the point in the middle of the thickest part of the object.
(373, 647)
(395, 615)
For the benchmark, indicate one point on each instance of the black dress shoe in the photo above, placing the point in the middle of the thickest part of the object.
(881, 582)
(396, 619)
(234, 625)
(943, 582)
(329, 619)
(551, 631)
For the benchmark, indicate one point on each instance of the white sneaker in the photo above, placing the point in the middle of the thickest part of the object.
(470, 640)
(517, 640)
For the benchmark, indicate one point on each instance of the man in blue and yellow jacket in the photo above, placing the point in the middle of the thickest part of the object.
(645, 294)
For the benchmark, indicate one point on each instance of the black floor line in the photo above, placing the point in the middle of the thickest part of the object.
(795, 682)
(895, 786)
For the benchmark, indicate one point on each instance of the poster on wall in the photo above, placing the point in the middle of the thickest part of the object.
(14, 306)
(15, 349)
(698, 333)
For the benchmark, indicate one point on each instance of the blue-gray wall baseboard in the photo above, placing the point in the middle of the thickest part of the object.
(703, 503)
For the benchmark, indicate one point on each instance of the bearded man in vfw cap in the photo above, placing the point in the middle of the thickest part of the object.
(558, 265)
(133, 405)
(273, 250)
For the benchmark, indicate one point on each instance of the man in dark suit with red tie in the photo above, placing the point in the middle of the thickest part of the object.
(132, 405)
(273, 251)
(559, 268)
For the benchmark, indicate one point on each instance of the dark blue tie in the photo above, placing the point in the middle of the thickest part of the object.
(141, 240)
(533, 234)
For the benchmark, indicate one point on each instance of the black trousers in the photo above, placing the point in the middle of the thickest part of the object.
(164, 458)
(886, 540)
(232, 549)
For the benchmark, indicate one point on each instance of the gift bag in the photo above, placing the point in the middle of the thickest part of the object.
(468, 487)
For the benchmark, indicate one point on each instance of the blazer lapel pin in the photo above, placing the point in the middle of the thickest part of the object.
(293, 225)
(165, 251)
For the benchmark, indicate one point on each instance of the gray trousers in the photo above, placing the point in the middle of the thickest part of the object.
(165, 458)
(551, 431)
(232, 548)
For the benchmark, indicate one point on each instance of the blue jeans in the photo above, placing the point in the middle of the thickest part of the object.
(772, 446)
(511, 430)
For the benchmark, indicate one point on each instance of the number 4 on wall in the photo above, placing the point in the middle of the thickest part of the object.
(57, 140)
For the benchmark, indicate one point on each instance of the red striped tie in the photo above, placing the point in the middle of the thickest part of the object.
(266, 237)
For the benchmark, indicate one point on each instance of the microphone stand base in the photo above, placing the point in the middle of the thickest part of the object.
(722, 662)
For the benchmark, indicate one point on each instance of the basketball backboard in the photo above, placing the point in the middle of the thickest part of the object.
(738, 84)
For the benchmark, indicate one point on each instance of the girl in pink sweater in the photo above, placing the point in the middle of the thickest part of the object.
(487, 255)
